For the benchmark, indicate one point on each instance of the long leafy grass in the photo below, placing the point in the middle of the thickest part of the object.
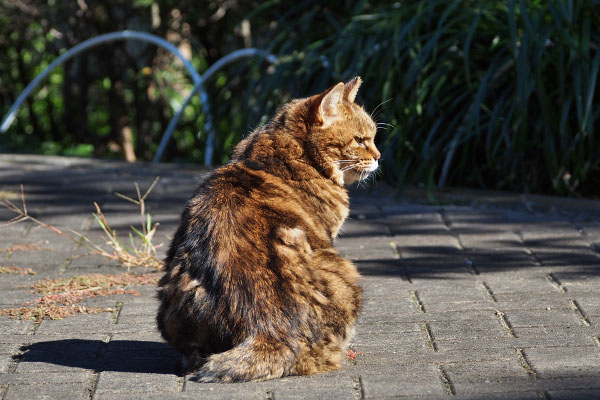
(489, 94)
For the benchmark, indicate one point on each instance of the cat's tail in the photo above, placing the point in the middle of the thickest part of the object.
(257, 358)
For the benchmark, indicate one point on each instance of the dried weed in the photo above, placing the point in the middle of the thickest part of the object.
(21, 247)
(61, 296)
(17, 270)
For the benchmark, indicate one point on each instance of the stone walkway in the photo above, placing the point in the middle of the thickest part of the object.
(486, 296)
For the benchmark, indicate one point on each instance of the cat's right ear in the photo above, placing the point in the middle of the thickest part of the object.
(328, 109)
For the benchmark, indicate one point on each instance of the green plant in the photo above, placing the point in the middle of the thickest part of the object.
(140, 253)
(487, 94)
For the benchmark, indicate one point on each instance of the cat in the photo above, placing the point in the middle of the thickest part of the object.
(253, 288)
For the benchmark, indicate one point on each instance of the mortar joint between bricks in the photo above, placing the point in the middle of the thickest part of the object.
(489, 292)
(446, 382)
(3, 389)
(505, 324)
(574, 305)
(455, 235)
(473, 268)
(36, 325)
(117, 312)
(92, 385)
(524, 361)
(95, 376)
(15, 360)
(360, 386)
(181, 381)
(554, 281)
(581, 230)
(414, 296)
(543, 395)
(407, 275)
(429, 337)
(527, 250)
(395, 249)
(65, 265)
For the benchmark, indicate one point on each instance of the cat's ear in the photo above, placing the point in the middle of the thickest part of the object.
(351, 88)
(329, 105)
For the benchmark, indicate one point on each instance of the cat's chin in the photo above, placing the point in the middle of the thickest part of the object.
(352, 176)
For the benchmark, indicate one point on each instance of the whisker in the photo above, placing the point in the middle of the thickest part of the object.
(386, 125)
(379, 105)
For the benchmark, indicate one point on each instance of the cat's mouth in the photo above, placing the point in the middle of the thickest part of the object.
(360, 171)
(367, 167)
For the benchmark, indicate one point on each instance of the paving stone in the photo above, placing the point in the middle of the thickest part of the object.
(94, 323)
(15, 327)
(366, 248)
(583, 394)
(520, 318)
(6, 361)
(359, 227)
(390, 384)
(486, 371)
(46, 391)
(50, 378)
(135, 383)
(553, 362)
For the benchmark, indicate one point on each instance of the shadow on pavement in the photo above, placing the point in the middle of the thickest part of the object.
(118, 356)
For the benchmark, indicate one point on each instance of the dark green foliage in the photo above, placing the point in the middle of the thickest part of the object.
(483, 94)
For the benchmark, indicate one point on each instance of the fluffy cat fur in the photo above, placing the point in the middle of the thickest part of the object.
(253, 287)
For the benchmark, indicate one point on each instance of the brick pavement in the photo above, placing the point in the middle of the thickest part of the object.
(491, 295)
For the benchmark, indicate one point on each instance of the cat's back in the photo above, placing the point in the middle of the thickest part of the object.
(241, 208)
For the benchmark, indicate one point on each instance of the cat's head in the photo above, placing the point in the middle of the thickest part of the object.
(342, 134)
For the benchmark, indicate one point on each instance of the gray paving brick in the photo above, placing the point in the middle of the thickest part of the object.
(582, 394)
(6, 361)
(135, 384)
(45, 391)
(51, 378)
(409, 382)
(486, 371)
(358, 227)
(521, 318)
(553, 362)
(15, 327)
(366, 248)
(94, 323)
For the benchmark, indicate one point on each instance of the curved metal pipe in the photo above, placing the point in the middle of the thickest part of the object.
(147, 37)
(198, 86)
(108, 37)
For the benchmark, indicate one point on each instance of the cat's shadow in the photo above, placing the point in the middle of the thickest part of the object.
(119, 355)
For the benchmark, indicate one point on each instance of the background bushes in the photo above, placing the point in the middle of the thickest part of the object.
(482, 94)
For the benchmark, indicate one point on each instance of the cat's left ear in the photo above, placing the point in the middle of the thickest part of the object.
(351, 88)
(329, 104)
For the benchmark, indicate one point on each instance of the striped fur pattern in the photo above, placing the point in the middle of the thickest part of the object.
(253, 288)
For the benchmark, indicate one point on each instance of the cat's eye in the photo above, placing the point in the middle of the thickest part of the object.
(359, 140)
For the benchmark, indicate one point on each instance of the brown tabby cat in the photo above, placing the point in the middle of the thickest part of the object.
(253, 288)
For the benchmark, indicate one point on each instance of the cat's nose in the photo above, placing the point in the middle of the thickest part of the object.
(377, 155)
